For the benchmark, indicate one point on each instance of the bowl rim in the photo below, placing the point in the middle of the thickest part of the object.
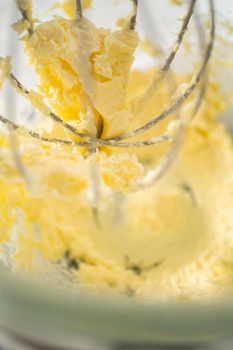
(27, 307)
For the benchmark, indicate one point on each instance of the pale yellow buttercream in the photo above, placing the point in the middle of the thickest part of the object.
(172, 240)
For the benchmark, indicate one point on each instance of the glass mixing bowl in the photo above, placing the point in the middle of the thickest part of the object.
(36, 317)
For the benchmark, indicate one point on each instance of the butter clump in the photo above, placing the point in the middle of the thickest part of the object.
(83, 72)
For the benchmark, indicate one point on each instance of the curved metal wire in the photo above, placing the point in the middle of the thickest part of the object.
(167, 160)
(88, 140)
(79, 9)
(140, 102)
(183, 97)
(21, 7)
(136, 144)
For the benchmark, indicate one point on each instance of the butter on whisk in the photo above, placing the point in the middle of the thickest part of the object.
(83, 78)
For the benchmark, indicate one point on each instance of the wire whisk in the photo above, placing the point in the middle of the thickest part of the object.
(93, 142)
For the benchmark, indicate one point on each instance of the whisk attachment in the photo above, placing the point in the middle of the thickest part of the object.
(184, 95)
(90, 142)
